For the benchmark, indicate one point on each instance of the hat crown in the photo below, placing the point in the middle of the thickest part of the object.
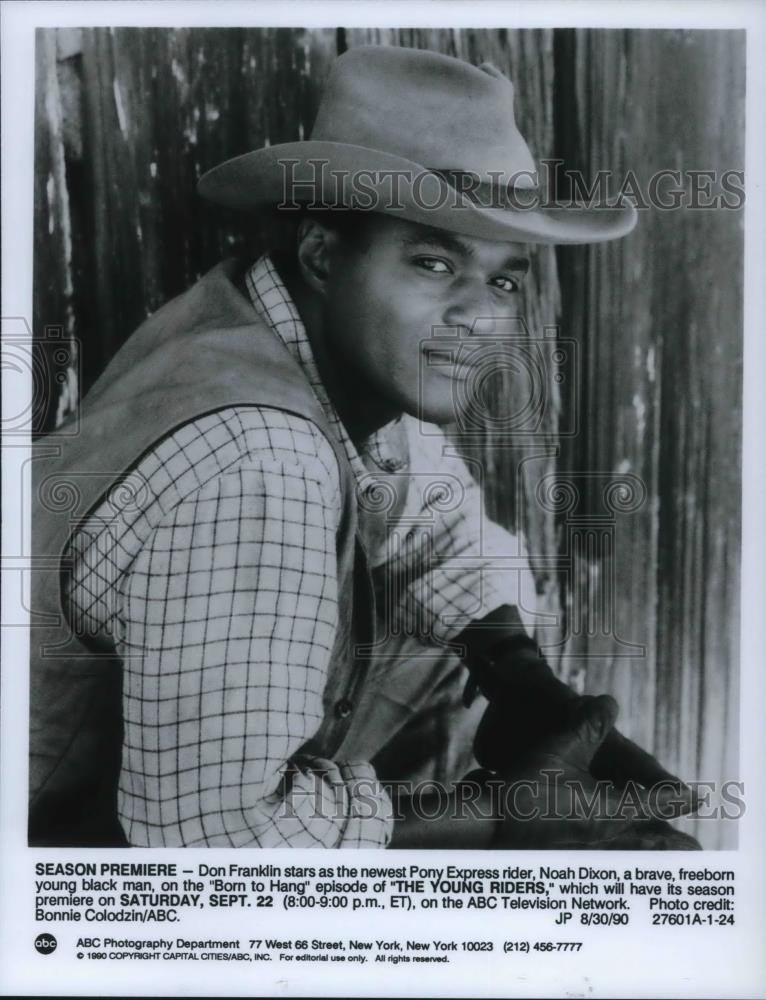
(426, 107)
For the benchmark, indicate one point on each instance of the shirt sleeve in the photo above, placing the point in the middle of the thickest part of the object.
(454, 564)
(226, 623)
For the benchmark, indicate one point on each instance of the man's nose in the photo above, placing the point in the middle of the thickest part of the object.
(472, 311)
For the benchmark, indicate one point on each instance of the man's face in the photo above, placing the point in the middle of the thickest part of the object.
(407, 307)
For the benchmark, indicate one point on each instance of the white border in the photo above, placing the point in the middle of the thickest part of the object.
(715, 966)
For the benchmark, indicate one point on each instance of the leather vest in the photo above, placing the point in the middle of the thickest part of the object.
(205, 350)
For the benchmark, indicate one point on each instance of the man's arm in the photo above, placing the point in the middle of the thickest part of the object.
(226, 623)
(463, 579)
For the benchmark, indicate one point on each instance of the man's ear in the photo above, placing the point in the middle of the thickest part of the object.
(315, 246)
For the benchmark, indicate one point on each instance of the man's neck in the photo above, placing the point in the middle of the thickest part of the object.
(359, 407)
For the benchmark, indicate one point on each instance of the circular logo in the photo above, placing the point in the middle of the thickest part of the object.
(45, 944)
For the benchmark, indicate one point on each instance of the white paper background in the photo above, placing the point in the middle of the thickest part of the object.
(631, 961)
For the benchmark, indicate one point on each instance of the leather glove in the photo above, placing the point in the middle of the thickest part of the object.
(529, 705)
(548, 794)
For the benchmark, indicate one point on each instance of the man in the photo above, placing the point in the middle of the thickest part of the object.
(254, 484)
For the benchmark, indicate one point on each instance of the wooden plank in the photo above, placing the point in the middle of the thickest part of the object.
(56, 389)
(158, 109)
(662, 381)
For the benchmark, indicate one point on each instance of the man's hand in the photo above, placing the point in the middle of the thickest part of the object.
(620, 760)
(545, 798)
(550, 799)
(529, 706)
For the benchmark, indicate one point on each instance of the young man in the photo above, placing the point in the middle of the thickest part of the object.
(273, 578)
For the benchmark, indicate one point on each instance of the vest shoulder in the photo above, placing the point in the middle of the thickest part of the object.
(203, 350)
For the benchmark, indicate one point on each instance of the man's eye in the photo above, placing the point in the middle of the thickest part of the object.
(434, 264)
(506, 284)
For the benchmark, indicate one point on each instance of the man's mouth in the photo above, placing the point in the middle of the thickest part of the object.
(453, 360)
(441, 355)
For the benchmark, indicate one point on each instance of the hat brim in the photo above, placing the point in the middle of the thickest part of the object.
(330, 174)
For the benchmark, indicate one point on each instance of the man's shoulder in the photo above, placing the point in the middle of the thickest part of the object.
(257, 451)
(214, 300)
(211, 316)
(256, 440)
(204, 351)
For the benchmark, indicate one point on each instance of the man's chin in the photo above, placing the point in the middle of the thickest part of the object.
(444, 400)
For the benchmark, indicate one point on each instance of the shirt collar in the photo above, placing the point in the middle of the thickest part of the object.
(273, 303)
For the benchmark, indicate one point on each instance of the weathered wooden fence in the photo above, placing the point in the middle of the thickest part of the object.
(629, 490)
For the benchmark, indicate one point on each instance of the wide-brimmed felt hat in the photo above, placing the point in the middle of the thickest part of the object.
(420, 135)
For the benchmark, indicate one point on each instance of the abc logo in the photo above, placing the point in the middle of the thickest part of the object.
(45, 944)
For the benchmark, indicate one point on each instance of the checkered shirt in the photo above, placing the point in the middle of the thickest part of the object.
(215, 579)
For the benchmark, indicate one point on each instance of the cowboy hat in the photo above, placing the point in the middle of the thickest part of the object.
(422, 135)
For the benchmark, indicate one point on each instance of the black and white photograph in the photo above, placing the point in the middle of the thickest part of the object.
(412, 470)
(380, 487)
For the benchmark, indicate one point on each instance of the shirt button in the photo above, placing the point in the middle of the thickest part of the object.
(343, 708)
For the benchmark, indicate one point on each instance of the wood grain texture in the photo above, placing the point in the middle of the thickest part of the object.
(641, 590)
(54, 319)
(659, 316)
